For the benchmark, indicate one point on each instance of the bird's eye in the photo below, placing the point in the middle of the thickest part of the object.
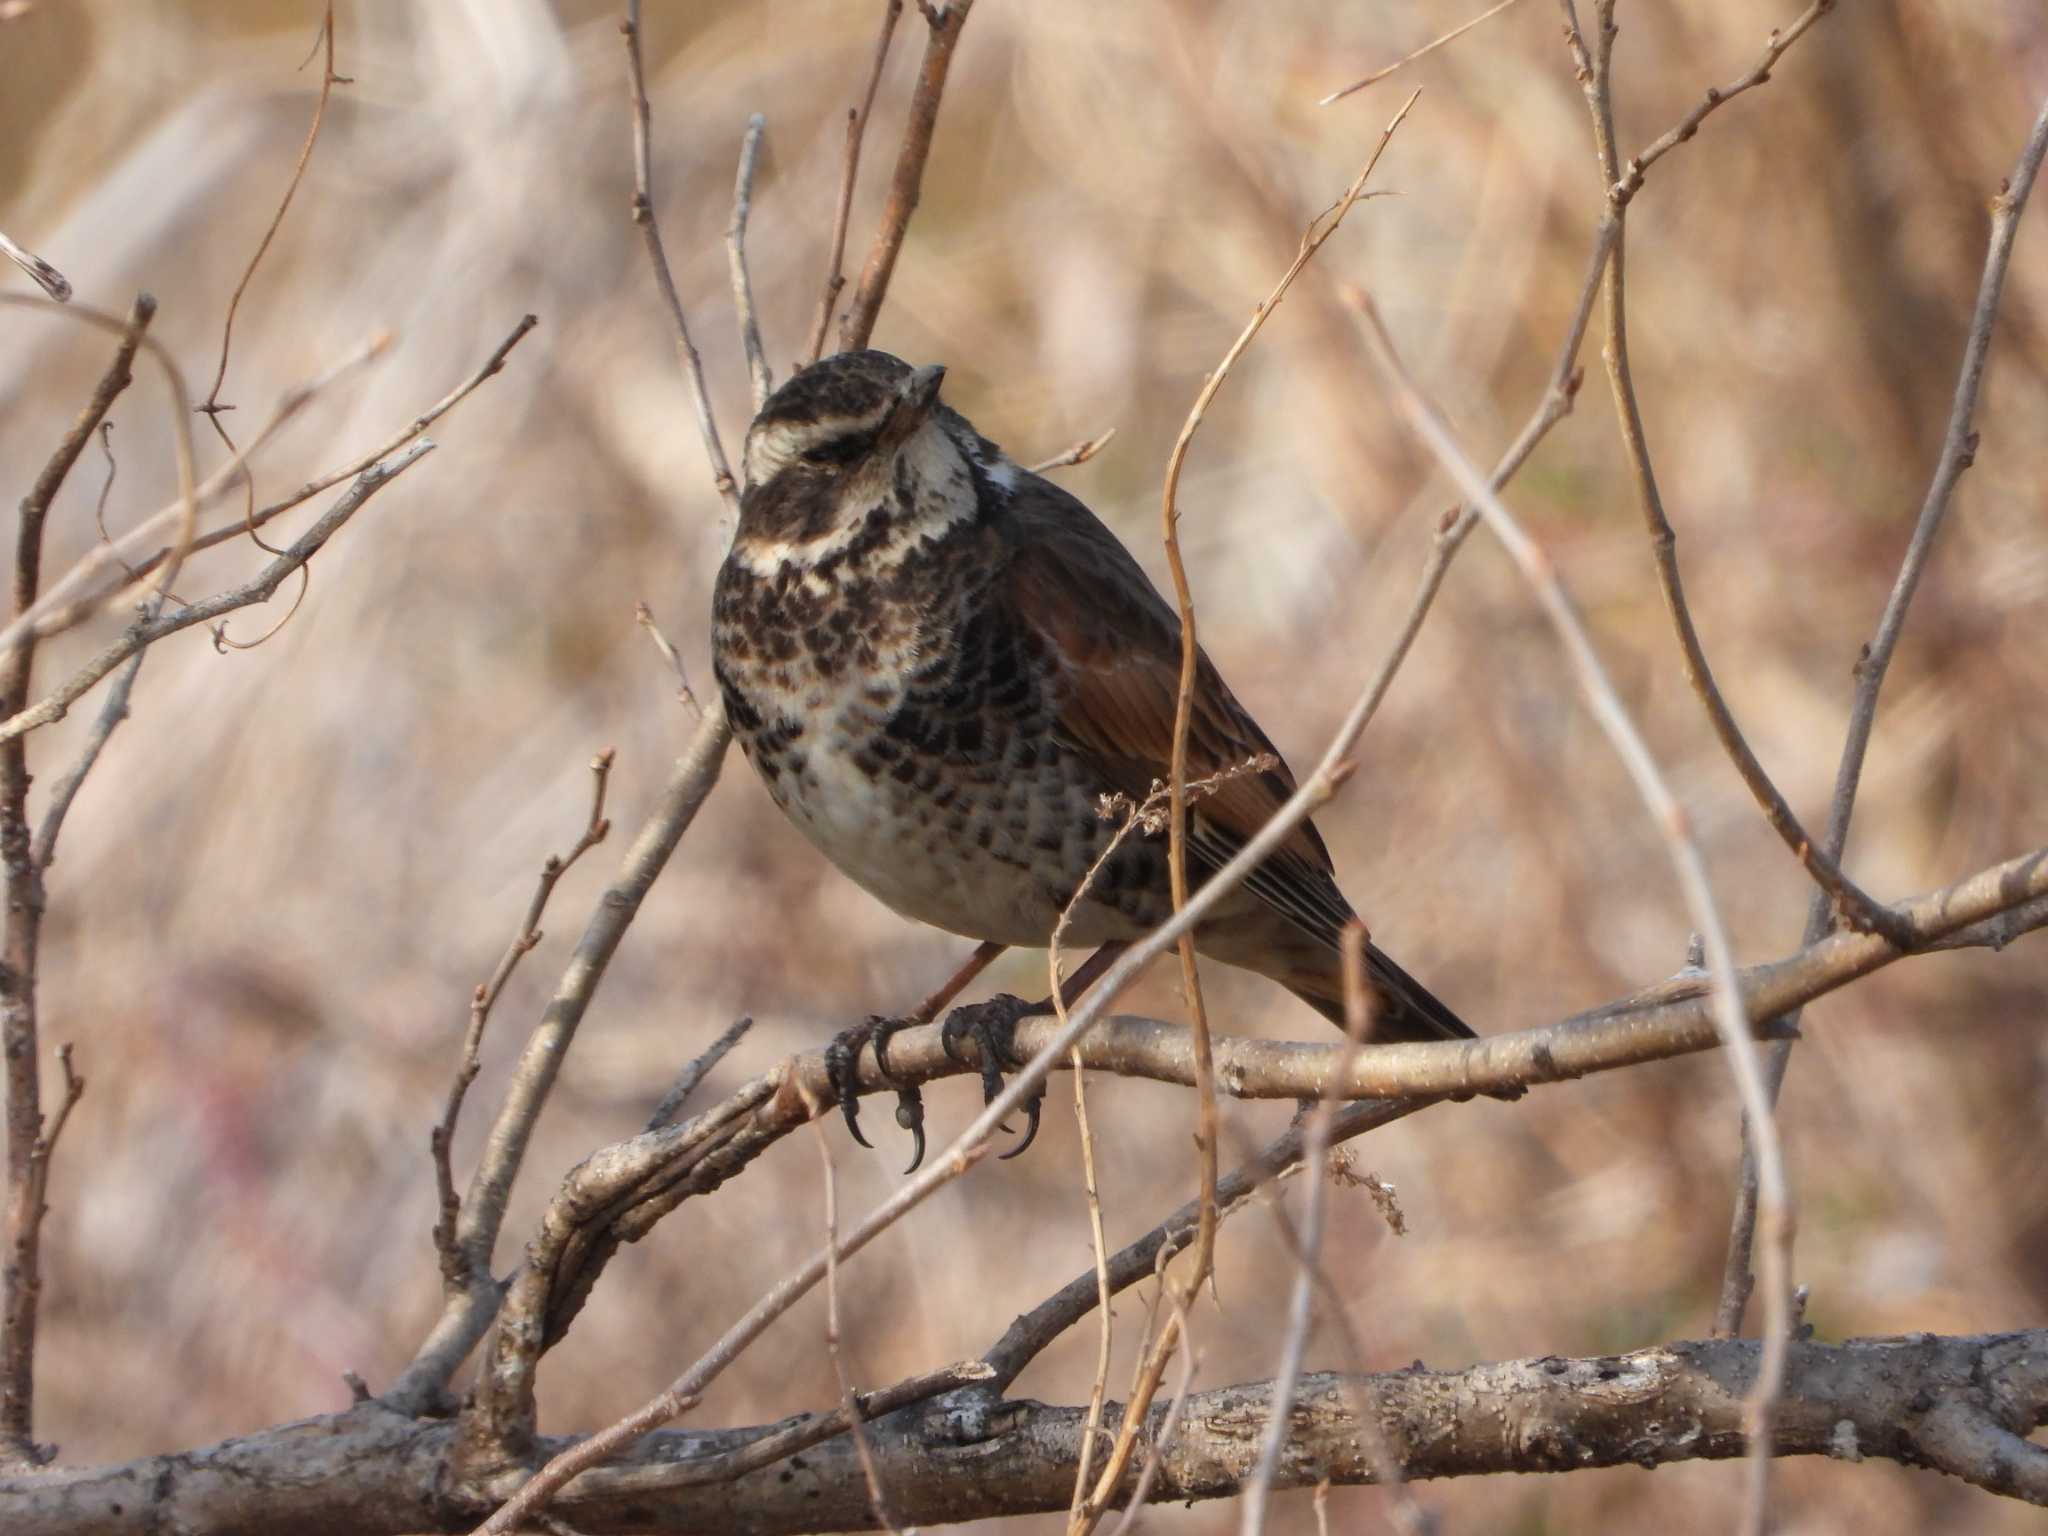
(840, 451)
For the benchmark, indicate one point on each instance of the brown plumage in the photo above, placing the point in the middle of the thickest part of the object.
(940, 663)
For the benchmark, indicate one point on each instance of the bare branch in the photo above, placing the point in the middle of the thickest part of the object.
(643, 215)
(65, 604)
(1427, 48)
(506, 1414)
(644, 616)
(945, 21)
(1743, 1059)
(1319, 230)
(462, 1268)
(695, 1072)
(736, 255)
(1962, 1404)
(1774, 49)
(1958, 452)
(21, 937)
(1857, 905)
(57, 703)
(856, 130)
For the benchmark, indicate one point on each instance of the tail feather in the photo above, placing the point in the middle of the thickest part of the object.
(1403, 1008)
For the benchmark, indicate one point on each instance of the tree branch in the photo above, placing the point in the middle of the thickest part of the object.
(945, 21)
(1960, 1405)
(1958, 452)
(27, 1148)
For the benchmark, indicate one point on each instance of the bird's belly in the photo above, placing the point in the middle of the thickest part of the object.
(990, 856)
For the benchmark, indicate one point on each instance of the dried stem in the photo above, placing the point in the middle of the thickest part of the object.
(736, 255)
(644, 616)
(20, 939)
(856, 130)
(1958, 452)
(944, 21)
(1190, 1284)
(46, 277)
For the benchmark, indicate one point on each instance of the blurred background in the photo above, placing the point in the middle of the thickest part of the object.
(292, 866)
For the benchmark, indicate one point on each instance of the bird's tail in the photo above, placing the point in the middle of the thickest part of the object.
(1403, 1009)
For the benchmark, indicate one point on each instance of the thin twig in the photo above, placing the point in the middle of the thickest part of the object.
(1427, 48)
(185, 512)
(57, 703)
(1312, 240)
(65, 605)
(944, 21)
(736, 256)
(1631, 179)
(1958, 452)
(848, 1406)
(694, 1073)
(856, 130)
(462, 1267)
(644, 616)
(1080, 453)
(1858, 906)
(1670, 820)
(21, 938)
(643, 215)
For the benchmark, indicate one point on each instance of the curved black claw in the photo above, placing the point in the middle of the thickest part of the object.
(910, 1115)
(993, 1026)
(842, 1054)
(842, 1063)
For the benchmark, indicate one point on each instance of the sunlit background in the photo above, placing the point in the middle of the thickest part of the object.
(295, 862)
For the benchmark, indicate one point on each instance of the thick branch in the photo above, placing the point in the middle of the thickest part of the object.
(1961, 1405)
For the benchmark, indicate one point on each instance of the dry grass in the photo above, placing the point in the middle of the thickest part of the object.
(295, 863)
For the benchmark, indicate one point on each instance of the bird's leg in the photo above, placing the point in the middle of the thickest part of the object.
(993, 1028)
(842, 1054)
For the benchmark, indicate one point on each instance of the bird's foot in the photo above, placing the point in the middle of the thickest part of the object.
(842, 1058)
(993, 1027)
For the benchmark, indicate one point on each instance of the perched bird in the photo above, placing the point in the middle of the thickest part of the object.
(940, 663)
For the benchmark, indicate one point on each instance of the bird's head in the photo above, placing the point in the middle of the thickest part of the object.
(853, 443)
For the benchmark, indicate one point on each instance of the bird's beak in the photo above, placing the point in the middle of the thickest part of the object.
(920, 393)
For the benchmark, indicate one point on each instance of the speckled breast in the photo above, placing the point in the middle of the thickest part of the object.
(909, 730)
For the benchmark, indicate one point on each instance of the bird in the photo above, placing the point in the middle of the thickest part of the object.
(944, 668)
